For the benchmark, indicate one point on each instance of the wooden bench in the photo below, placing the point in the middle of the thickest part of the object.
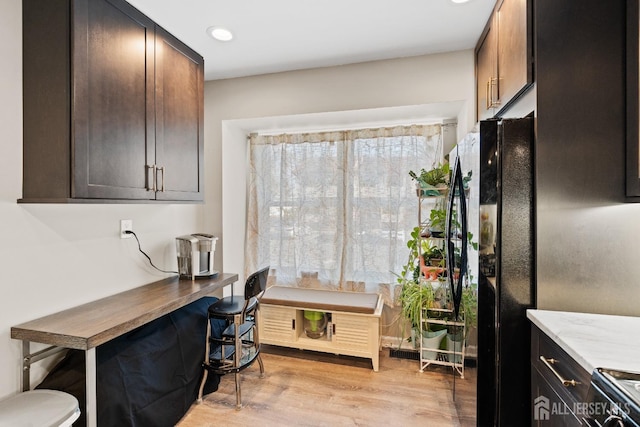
(353, 326)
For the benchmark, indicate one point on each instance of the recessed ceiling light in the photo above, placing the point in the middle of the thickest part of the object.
(460, 1)
(220, 33)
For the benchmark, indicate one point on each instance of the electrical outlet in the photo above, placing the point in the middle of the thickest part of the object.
(125, 225)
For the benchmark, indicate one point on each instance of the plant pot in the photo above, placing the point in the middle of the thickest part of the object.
(436, 233)
(431, 191)
(414, 338)
(432, 340)
(435, 262)
(454, 343)
(430, 272)
(315, 323)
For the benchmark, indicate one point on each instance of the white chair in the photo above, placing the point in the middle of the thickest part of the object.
(39, 408)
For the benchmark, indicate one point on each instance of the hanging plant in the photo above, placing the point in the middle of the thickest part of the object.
(432, 182)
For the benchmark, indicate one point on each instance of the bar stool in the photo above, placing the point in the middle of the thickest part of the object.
(39, 408)
(239, 345)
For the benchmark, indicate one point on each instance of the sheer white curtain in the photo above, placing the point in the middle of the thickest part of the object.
(335, 209)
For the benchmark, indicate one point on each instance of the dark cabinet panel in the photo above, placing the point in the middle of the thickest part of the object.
(555, 403)
(46, 88)
(179, 119)
(633, 112)
(114, 112)
(514, 65)
(486, 72)
(504, 57)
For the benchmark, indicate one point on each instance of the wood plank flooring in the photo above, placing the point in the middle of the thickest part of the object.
(315, 389)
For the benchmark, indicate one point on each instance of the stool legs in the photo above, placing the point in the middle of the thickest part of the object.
(256, 339)
(261, 366)
(207, 349)
(235, 364)
(237, 319)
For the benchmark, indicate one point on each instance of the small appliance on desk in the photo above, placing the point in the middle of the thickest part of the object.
(195, 255)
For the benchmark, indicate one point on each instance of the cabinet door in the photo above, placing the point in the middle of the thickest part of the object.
(633, 104)
(179, 119)
(277, 324)
(352, 332)
(544, 396)
(112, 100)
(486, 74)
(514, 52)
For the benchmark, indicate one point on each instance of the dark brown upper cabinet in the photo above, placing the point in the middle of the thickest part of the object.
(113, 106)
(633, 112)
(504, 57)
(486, 74)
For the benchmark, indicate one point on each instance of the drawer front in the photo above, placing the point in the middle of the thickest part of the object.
(559, 363)
(276, 323)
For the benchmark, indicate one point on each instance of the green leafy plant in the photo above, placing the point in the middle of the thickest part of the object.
(437, 220)
(410, 271)
(469, 306)
(434, 177)
(434, 255)
(430, 182)
(414, 298)
(414, 295)
(466, 179)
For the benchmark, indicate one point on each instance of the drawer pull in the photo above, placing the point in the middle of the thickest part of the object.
(553, 361)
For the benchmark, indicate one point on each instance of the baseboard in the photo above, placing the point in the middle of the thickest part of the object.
(397, 343)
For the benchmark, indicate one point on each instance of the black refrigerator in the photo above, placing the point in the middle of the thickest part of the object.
(506, 263)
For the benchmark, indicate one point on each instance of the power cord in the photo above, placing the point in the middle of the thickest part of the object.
(143, 253)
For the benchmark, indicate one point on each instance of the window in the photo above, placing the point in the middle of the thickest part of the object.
(336, 208)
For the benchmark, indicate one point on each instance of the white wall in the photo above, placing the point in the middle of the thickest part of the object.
(303, 99)
(54, 257)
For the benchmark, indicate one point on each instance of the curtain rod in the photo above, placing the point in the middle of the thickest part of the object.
(280, 132)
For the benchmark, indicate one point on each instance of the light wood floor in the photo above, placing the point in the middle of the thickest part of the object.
(313, 389)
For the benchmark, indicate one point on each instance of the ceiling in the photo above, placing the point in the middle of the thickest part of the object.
(283, 35)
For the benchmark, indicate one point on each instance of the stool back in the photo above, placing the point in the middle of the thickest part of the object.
(256, 284)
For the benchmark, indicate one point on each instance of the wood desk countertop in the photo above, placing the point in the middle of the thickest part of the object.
(94, 323)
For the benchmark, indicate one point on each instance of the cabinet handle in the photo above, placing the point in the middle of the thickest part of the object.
(333, 325)
(488, 95)
(552, 361)
(151, 178)
(493, 83)
(161, 169)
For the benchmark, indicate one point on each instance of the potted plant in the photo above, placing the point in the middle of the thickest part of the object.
(434, 255)
(414, 295)
(414, 298)
(433, 182)
(437, 221)
(432, 263)
(470, 306)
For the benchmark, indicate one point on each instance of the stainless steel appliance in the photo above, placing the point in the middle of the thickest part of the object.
(195, 255)
(613, 399)
(501, 219)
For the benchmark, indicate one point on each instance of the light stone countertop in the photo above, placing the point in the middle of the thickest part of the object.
(593, 340)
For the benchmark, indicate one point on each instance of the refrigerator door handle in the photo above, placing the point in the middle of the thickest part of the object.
(452, 224)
